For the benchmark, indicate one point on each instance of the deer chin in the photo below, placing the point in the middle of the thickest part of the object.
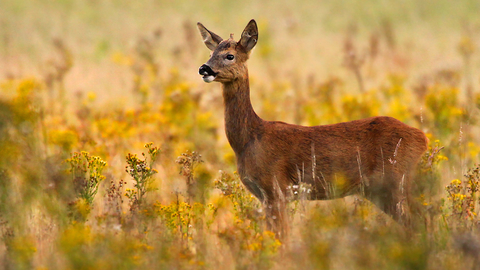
(208, 78)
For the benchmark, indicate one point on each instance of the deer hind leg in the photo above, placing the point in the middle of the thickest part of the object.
(390, 194)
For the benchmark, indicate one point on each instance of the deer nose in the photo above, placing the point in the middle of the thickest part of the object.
(206, 71)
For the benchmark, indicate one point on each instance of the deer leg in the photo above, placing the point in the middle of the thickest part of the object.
(276, 218)
(390, 195)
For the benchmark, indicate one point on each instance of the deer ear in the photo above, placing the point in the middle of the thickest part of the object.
(249, 36)
(209, 38)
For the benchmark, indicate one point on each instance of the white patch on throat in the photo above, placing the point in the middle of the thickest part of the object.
(208, 78)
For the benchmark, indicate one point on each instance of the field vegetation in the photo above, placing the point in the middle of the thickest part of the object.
(113, 153)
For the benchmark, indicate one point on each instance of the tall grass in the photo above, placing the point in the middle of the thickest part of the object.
(86, 86)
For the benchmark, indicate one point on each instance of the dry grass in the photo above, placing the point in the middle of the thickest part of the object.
(107, 77)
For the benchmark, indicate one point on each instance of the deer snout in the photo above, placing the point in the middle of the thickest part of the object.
(207, 73)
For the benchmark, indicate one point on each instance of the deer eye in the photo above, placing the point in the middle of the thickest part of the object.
(230, 56)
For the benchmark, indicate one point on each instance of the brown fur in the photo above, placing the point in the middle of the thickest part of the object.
(376, 155)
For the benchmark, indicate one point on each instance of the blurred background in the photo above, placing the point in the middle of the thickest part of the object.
(305, 37)
(108, 76)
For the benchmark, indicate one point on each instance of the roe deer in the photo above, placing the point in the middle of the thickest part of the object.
(375, 156)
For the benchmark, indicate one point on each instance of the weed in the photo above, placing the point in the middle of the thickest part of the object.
(354, 61)
(141, 170)
(113, 204)
(188, 161)
(86, 171)
(54, 75)
(462, 204)
(247, 208)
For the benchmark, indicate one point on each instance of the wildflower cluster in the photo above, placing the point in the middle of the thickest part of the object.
(87, 174)
(302, 191)
(296, 195)
(141, 171)
(462, 197)
(181, 217)
(245, 205)
(247, 238)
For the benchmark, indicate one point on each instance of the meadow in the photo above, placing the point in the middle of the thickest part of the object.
(113, 153)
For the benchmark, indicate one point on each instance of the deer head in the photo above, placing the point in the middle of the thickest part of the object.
(228, 59)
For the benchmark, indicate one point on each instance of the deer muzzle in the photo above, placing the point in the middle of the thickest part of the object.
(207, 73)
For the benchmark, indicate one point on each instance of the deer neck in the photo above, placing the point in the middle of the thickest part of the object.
(241, 121)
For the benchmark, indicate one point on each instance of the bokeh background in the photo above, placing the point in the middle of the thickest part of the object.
(107, 77)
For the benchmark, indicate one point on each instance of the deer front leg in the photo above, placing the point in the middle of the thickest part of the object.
(276, 218)
(276, 210)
